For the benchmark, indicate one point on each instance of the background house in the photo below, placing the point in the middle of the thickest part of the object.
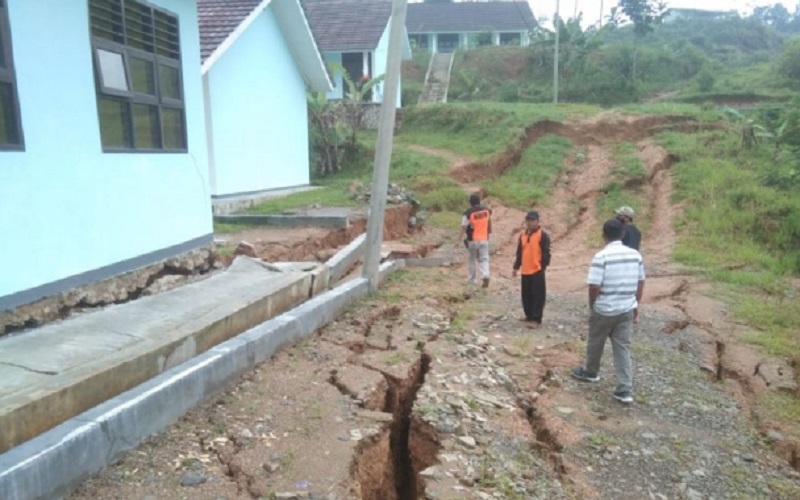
(445, 27)
(354, 34)
(259, 58)
(102, 147)
(677, 14)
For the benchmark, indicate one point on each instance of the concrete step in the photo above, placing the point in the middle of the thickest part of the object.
(58, 371)
(438, 79)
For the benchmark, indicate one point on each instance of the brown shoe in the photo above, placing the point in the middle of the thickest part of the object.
(485, 282)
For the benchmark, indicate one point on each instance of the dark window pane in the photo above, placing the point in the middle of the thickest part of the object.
(174, 137)
(170, 82)
(166, 35)
(145, 127)
(143, 76)
(112, 70)
(9, 130)
(106, 19)
(139, 26)
(114, 123)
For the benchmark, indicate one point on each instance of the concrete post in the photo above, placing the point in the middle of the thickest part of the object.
(557, 22)
(383, 149)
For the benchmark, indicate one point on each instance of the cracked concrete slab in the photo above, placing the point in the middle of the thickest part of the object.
(99, 355)
(53, 463)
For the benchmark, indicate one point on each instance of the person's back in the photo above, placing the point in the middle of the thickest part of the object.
(616, 269)
(476, 223)
(632, 237)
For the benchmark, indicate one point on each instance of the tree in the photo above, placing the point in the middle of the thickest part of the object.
(644, 14)
(788, 65)
(775, 15)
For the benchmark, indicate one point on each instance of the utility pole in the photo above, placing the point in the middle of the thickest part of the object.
(557, 22)
(383, 148)
(601, 13)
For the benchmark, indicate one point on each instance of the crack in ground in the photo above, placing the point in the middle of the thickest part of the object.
(231, 467)
(387, 466)
(546, 439)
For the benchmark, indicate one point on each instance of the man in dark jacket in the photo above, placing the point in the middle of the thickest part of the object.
(631, 237)
(533, 257)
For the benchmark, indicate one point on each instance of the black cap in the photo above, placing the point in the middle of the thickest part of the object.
(532, 215)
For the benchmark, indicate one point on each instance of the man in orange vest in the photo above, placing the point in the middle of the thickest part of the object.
(477, 224)
(533, 257)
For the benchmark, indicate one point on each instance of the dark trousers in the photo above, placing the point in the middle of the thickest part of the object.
(534, 293)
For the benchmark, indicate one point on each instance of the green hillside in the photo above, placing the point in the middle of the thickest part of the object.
(729, 60)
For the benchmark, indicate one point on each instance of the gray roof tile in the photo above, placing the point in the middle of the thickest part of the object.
(348, 25)
(218, 19)
(469, 16)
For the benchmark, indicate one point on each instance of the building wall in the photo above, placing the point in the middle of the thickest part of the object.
(68, 211)
(464, 37)
(258, 114)
(380, 61)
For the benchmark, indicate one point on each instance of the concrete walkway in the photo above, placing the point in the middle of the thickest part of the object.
(58, 371)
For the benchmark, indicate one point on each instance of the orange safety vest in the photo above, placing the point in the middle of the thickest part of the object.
(531, 252)
(479, 221)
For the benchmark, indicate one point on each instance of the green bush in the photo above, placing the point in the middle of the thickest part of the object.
(705, 79)
(788, 65)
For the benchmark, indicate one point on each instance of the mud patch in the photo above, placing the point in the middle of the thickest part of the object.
(606, 130)
(307, 244)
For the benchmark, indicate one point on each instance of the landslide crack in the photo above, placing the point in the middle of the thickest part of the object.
(387, 466)
(232, 467)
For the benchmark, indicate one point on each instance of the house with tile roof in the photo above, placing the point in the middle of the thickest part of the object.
(448, 26)
(102, 143)
(355, 35)
(259, 59)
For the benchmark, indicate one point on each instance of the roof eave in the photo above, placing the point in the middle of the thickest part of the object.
(302, 44)
(297, 32)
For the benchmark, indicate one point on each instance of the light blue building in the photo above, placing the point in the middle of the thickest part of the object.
(355, 35)
(259, 60)
(103, 157)
(451, 26)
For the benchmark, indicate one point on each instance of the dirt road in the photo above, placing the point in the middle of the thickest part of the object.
(433, 390)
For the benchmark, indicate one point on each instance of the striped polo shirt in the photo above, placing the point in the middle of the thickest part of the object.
(617, 270)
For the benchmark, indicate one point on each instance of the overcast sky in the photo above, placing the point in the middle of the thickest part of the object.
(591, 8)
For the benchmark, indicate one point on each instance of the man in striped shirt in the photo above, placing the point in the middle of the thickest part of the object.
(616, 284)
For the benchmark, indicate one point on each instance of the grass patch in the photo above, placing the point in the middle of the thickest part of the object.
(781, 316)
(325, 196)
(629, 165)
(478, 129)
(739, 232)
(225, 228)
(615, 196)
(529, 183)
(700, 113)
(445, 220)
(623, 188)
